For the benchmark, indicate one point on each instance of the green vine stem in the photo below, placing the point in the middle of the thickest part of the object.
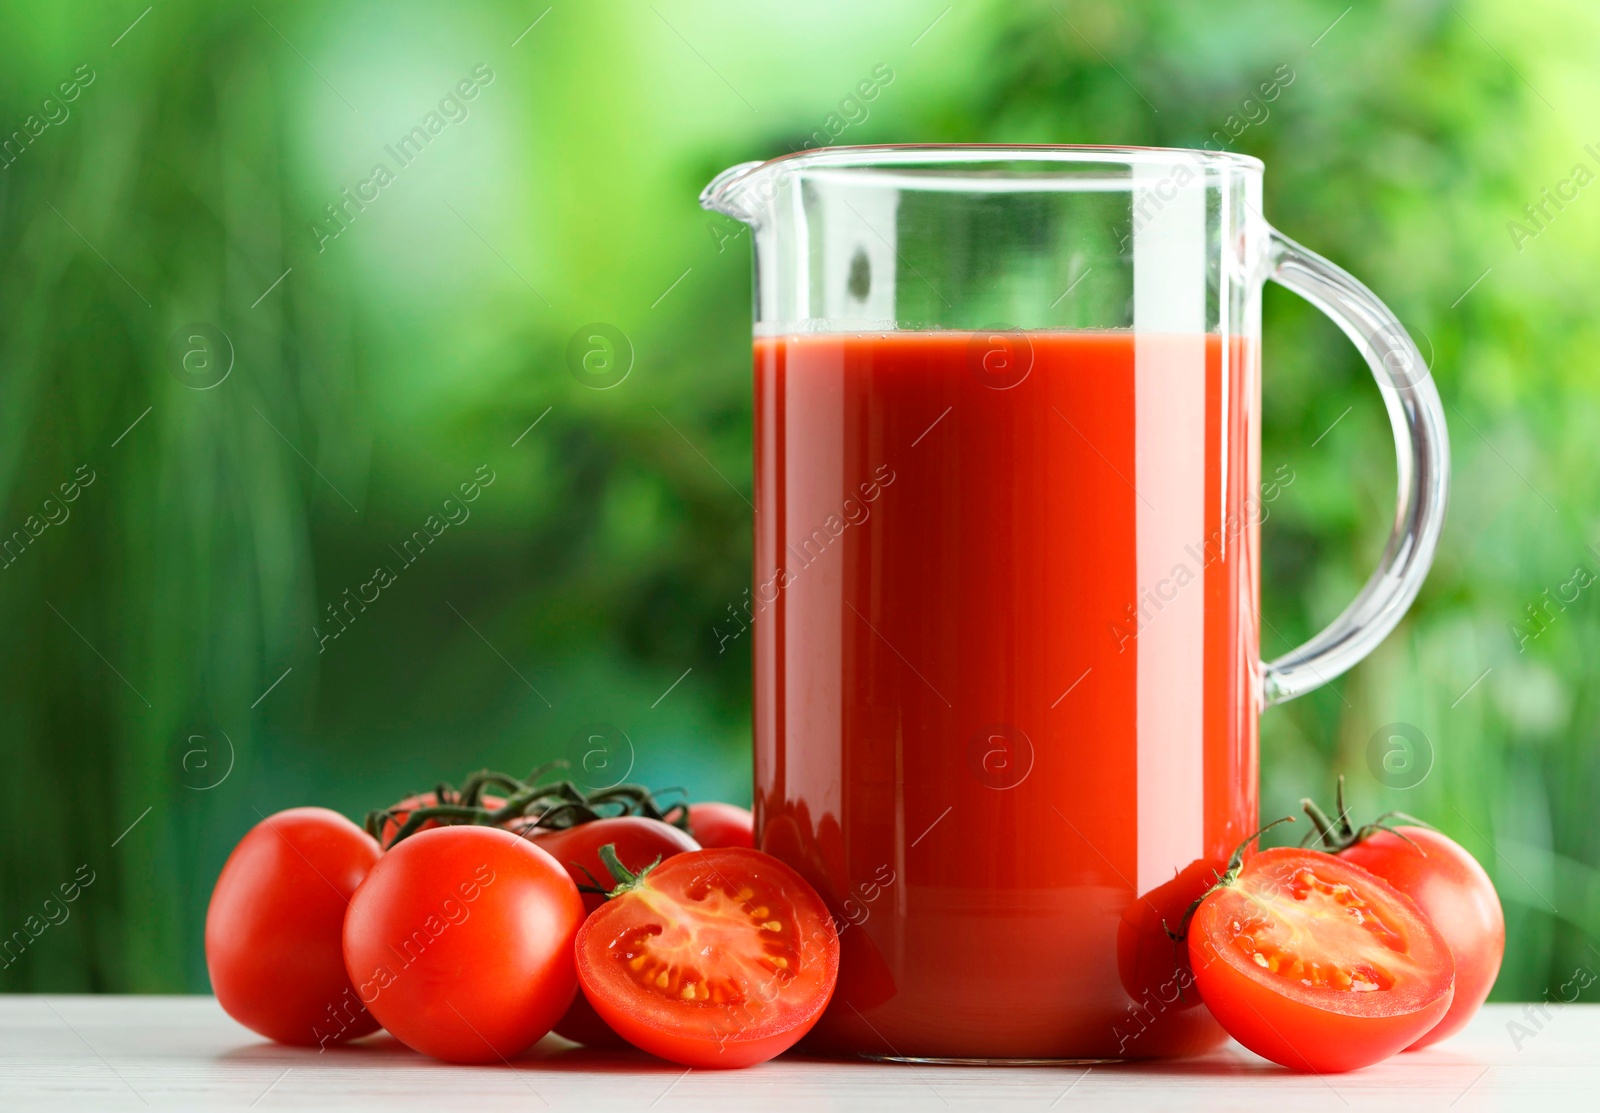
(625, 878)
(1338, 834)
(472, 791)
(528, 805)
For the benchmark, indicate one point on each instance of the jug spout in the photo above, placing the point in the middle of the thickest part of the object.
(729, 192)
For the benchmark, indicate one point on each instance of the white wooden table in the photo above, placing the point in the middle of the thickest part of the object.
(161, 1053)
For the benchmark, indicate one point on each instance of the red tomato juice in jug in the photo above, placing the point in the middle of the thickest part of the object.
(1003, 719)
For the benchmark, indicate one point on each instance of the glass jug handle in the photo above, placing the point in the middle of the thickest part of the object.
(1422, 463)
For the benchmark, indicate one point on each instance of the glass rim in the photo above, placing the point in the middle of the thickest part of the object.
(736, 179)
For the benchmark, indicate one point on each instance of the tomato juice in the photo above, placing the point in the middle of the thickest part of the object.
(1005, 670)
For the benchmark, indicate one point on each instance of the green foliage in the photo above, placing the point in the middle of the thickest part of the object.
(395, 360)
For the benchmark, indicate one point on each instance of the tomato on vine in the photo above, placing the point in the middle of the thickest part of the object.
(491, 799)
(394, 817)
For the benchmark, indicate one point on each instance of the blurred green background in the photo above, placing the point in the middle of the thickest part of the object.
(165, 677)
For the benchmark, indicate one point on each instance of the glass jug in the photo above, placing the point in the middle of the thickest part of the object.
(1006, 582)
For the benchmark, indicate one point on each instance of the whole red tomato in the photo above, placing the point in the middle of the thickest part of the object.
(1316, 964)
(715, 824)
(638, 842)
(274, 923)
(1452, 890)
(460, 942)
(715, 958)
(816, 853)
(1165, 1016)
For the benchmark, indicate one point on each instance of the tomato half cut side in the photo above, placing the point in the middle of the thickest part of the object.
(637, 841)
(1316, 964)
(715, 958)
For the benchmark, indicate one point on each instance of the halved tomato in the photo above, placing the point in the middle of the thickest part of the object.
(715, 958)
(637, 841)
(1316, 964)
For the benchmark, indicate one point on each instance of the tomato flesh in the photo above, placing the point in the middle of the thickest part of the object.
(1318, 965)
(719, 958)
